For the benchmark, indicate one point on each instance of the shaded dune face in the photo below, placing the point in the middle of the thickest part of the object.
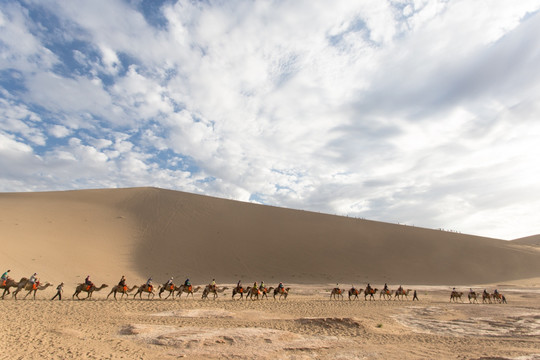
(207, 238)
(162, 233)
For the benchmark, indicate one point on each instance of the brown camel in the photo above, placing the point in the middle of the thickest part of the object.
(238, 290)
(30, 288)
(498, 297)
(187, 289)
(336, 293)
(170, 288)
(209, 289)
(486, 297)
(253, 293)
(473, 298)
(282, 292)
(400, 293)
(455, 295)
(354, 293)
(122, 290)
(265, 291)
(8, 283)
(371, 292)
(88, 289)
(386, 294)
(146, 289)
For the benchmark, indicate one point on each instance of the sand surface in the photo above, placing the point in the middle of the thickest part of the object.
(307, 325)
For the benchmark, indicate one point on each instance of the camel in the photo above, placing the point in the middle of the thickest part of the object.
(354, 292)
(145, 288)
(265, 291)
(455, 295)
(472, 297)
(336, 293)
(400, 293)
(371, 292)
(386, 294)
(121, 289)
(253, 292)
(187, 289)
(30, 288)
(486, 297)
(8, 283)
(170, 288)
(499, 298)
(282, 292)
(213, 290)
(88, 289)
(238, 290)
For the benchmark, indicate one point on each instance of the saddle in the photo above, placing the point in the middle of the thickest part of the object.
(149, 288)
(124, 288)
(241, 290)
(35, 286)
(88, 287)
(4, 282)
(171, 287)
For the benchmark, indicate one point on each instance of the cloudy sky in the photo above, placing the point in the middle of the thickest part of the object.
(425, 113)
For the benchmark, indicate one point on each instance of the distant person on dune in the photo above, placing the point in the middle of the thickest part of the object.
(415, 297)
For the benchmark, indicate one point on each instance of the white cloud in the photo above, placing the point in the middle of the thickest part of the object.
(414, 111)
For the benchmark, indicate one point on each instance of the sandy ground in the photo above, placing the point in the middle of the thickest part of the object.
(307, 325)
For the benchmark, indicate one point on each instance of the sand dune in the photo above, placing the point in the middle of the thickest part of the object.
(141, 232)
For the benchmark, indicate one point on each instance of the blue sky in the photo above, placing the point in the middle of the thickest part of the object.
(418, 112)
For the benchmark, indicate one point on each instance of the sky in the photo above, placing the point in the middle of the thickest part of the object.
(424, 113)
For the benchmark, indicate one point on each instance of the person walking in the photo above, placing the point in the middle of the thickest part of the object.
(415, 297)
(59, 290)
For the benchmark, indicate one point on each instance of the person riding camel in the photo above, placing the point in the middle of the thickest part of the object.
(169, 283)
(385, 288)
(32, 279)
(239, 284)
(4, 278)
(262, 286)
(280, 286)
(149, 284)
(213, 285)
(369, 288)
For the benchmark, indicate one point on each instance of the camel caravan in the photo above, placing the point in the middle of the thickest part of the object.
(147, 290)
(31, 286)
(369, 293)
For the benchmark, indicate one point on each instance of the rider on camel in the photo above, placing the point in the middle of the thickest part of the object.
(122, 282)
(261, 287)
(4, 277)
(213, 284)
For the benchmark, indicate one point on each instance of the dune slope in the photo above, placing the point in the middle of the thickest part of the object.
(142, 232)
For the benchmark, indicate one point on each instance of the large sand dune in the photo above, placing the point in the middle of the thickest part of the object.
(141, 232)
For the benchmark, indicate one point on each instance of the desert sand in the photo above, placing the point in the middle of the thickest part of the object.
(143, 232)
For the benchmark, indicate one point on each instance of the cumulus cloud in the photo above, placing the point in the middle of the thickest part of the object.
(419, 112)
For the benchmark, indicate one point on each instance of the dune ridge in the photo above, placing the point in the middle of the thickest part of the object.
(141, 232)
